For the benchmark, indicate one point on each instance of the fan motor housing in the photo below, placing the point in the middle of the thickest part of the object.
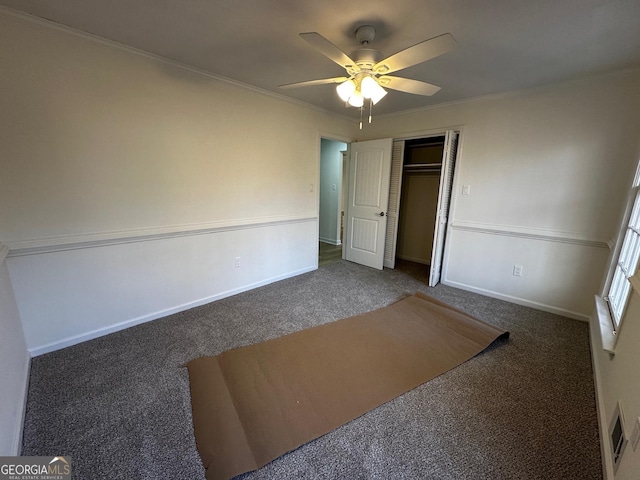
(366, 58)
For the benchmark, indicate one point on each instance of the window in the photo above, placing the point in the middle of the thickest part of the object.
(619, 289)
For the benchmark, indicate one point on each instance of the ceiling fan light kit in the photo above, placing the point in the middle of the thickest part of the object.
(363, 85)
(367, 69)
(356, 100)
(370, 88)
(346, 89)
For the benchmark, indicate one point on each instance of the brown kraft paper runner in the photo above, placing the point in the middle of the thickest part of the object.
(252, 404)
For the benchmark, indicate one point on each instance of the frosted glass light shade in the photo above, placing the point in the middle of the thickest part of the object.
(368, 87)
(378, 95)
(356, 100)
(346, 89)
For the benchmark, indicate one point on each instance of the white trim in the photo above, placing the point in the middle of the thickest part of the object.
(330, 241)
(4, 251)
(333, 136)
(92, 240)
(73, 340)
(529, 232)
(603, 422)
(519, 301)
(17, 442)
(136, 51)
(433, 132)
(605, 323)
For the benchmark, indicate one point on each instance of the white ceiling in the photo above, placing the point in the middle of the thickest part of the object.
(503, 45)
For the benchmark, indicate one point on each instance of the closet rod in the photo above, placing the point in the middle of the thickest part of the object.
(422, 165)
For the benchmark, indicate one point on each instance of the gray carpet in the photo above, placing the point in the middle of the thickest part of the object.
(524, 409)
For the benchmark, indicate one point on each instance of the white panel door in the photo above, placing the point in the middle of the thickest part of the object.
(444, 197)
(369, 170)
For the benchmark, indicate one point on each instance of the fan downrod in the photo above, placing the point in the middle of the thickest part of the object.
(365, 34)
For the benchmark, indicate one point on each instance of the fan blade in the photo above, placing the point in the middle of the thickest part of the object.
(407, 85)
(419, 53)
(309, 83)
(329, 50)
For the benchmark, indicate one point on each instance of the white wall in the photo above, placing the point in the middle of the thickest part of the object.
(69, 296)
(14, 366)
(617, 381)
(418, 208)
(130, 185)
(330, 190)
(549, 171)
(119, 167)
(547, 167)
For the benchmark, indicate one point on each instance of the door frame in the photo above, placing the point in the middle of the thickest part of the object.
(407, 136)
(320, 134)
(454, 187)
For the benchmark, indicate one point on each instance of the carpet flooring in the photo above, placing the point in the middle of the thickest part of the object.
(119, 405)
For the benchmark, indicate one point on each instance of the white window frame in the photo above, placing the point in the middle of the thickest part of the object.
(624, 264)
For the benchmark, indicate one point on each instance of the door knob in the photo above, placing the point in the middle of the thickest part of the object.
(381, 214)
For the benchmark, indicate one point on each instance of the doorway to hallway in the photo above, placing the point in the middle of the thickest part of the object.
(331, 200)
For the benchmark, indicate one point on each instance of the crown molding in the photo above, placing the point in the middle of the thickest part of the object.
(167, 61)
(512, 93)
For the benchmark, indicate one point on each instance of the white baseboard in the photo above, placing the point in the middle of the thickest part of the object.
(330, 241)
(519, 301)
(17, 443)
(73, 340)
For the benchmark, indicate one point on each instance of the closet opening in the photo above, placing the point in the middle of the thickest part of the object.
(421, 173)
(419, 196)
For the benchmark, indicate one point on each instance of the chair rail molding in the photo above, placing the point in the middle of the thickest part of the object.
(91, 240)
(4, 251)
(529, 232)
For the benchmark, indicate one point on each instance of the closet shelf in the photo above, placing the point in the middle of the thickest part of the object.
(413, 166)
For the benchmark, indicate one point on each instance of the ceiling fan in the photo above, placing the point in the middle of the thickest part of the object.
(367, 70)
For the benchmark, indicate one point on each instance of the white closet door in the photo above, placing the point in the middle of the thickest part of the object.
(393, 209)
(444, 197)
